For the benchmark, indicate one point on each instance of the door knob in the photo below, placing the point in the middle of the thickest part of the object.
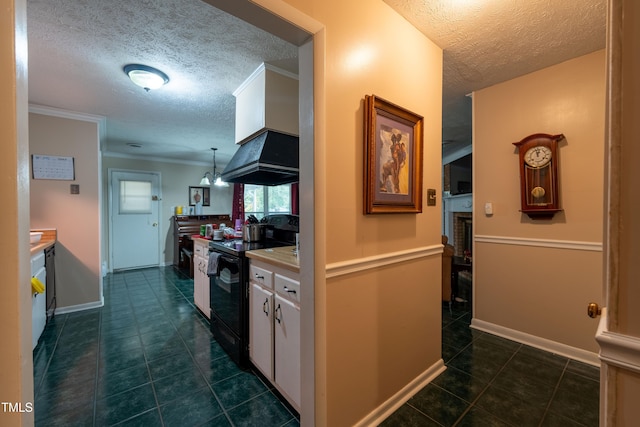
(593, 310)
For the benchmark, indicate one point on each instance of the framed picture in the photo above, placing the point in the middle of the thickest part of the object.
(199, 194)
(393, 158)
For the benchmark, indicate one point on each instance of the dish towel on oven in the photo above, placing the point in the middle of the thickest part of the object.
(212, 267)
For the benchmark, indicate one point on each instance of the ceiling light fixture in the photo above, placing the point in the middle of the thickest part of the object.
(146, 77)
(215, 176)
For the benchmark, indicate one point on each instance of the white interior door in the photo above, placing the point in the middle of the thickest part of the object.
(134, 219)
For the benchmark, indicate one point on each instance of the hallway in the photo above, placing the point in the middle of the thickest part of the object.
(147, 358)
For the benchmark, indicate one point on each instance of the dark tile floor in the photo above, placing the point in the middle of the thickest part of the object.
(491, 381)
(146, 358)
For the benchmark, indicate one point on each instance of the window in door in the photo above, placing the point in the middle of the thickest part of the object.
(135, 197)
(262, 200)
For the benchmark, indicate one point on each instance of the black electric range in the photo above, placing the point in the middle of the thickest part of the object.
(229, 284)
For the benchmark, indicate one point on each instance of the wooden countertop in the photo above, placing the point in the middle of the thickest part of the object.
(49, 236)
(282, 256)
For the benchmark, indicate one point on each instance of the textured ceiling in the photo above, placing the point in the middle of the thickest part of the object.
(486, 42)
(77, 49)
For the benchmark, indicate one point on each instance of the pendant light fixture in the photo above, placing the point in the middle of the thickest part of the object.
(146, 77)
(215, 176)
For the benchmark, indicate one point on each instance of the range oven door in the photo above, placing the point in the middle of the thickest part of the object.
(228, 306)
(226, 291)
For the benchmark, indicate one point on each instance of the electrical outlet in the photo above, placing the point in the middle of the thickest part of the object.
(75, 189)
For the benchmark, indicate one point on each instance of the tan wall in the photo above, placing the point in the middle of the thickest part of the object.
(544, 290)
(76, 217)
(16, 364)
(377, 329)
(175, 180)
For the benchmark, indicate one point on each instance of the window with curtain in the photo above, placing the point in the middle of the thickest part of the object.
(262, 200)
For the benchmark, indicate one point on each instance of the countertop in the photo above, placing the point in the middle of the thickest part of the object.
(49, 236)
(283, 256)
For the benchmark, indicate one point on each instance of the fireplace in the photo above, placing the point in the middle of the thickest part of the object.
(462, 233)
(458, 223)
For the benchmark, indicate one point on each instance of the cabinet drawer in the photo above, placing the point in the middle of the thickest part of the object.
(260, 275)
(288, 288)
(201, 249)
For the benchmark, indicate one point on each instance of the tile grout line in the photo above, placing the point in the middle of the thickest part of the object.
(210, 386)
(555, 390)
(472, 404)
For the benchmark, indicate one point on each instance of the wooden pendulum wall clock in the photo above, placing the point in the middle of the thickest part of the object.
(538, 160)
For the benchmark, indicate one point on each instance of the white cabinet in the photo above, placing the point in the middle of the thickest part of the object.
(200, 277)
(38, 301)
(261, 329)
(267, 99)
(274, 328)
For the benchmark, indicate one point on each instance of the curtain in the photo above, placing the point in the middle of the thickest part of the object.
(295, 200)
(237, 207)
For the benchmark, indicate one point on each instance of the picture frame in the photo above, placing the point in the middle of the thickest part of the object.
(393, 158)
(205, 195)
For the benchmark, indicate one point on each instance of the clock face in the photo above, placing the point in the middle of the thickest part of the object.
(538, 156)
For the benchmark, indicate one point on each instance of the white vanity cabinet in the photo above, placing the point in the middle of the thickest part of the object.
(200, 277)
(274, 326)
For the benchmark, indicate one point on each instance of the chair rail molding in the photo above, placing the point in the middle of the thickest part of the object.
(544, 243)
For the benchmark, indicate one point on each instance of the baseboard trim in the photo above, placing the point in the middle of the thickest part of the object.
(617, 349)
(543, 243)
(362, 264)
(79, 307)
(392, 404)
(555, 347)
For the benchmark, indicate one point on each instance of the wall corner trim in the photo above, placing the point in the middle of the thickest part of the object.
(367, 263)
(618, 349)
(392, 404)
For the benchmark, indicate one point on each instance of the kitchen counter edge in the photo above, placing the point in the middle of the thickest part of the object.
(283, 256)
(48, 239)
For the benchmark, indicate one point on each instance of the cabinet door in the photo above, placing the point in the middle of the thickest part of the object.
(261, 329)
(287, 347)
(197, 281)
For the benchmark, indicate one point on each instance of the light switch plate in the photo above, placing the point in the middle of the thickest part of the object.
(431, 197)
(75, 189)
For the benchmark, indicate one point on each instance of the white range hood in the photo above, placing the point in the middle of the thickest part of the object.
(266, 129)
